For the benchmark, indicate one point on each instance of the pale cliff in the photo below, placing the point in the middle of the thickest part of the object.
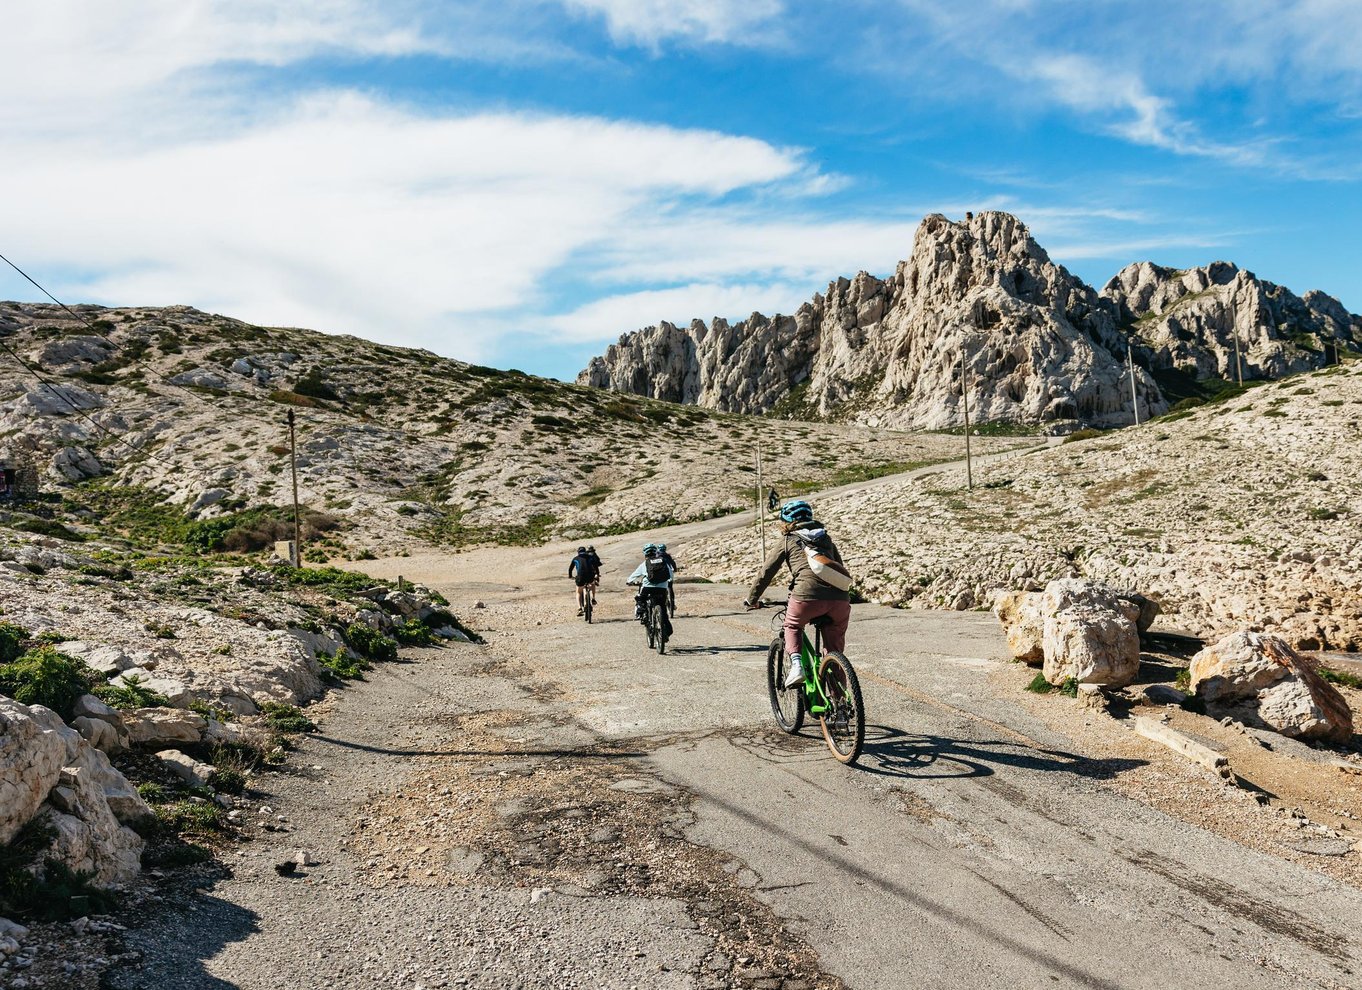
(1039, 344)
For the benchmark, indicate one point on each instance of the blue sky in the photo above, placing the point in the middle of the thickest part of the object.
(518, 183)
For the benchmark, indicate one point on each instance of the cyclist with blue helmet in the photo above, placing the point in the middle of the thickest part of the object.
(811, 596)
(653, 578)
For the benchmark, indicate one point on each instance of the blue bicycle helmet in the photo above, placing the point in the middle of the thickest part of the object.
(662, 548)
(796, 511)
(649, 549)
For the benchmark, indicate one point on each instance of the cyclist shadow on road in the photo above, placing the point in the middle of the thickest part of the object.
(894, 753)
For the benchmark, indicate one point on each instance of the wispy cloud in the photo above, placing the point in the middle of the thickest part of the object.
(650, 23)
(1163, 75)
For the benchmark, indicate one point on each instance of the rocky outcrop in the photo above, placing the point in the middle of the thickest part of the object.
(979, 304)
(1037, 344)
(48, 772)
(1220, 321)
(1090, 634)
(1260, 678)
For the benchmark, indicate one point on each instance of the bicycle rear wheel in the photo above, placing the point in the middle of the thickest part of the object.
(787, 704)
(659, 623)
(586, 605)
(844, 723)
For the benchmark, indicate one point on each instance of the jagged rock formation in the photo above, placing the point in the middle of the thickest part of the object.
(1202, 320)
(1039, 344)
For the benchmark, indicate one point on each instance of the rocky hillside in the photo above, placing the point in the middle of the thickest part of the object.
(1035, 343)
(1238, 513)
(163, 419)
(1221, 322)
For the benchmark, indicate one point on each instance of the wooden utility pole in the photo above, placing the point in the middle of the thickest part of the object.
(293, 457)
(964, 394)
(1238, 364)
(1134, 398)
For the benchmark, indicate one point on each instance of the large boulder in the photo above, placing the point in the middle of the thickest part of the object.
(1090, 634)
(86, 802)
(1262, 678)
(31, 757)
(1023, 620)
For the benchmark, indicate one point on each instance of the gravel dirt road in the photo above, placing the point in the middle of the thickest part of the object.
(563, 808)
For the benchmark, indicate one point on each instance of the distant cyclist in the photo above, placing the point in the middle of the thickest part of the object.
(584, 571)
(671, 585)
(596, 560)
(807, 550)
(655, 578)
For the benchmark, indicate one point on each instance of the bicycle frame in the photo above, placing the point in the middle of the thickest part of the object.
(816, 701)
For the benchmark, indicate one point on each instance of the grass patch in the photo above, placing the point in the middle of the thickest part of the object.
(1341, 677)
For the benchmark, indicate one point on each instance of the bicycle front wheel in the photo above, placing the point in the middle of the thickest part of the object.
(844, 722)
(659, 623)
(787, 704)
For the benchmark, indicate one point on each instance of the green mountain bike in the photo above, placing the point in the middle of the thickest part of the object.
(831, 694)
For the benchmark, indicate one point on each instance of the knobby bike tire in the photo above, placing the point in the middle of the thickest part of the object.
(586, 606)
(659, 623)
(844, 724)
(787, 704)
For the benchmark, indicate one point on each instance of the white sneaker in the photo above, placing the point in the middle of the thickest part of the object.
(795, 675)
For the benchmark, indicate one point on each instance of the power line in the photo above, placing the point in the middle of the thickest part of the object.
(104, 337)
(56, 390)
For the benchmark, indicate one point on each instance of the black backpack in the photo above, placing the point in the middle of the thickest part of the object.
(657, 570)
(586, 567)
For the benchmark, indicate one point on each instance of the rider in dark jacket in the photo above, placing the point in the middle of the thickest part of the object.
(584, 570)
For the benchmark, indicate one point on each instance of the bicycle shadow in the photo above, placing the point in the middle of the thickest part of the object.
(891, 752)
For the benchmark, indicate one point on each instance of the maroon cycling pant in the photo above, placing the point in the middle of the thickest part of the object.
(799, 613)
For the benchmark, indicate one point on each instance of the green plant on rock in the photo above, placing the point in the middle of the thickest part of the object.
(42, 676)
(413, 633)
(370, 642)
(341, 665)
(131, 692)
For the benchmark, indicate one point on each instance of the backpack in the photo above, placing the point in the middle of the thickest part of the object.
(824, 568)
(657, 570)
(586, 567)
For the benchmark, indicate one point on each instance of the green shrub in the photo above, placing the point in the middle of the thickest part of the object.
(42, 676)
(314, 386)
(342, 665)
(228, 781)
(414, 633)
(370, 642)
(11, 641)
(130, 693)
(1085, 434)
(1039, 685)
(286, 718)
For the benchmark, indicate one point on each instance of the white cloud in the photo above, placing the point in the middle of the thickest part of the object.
(650, 22)
(351, 215)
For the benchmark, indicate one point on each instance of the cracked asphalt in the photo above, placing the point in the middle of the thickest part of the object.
(563, 808)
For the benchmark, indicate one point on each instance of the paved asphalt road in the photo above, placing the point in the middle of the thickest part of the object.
(971, 848)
